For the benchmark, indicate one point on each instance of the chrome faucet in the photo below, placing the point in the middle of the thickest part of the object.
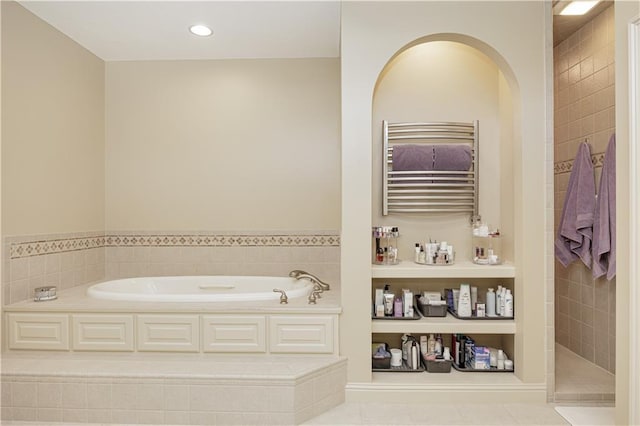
(298, 274)
(315, 294)
(283, 296)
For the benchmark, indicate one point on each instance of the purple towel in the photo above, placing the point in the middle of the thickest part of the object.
(604, 227)
(412, 158)
(452, 157)
(575, 230)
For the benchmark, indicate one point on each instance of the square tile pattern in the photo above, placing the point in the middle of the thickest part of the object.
(287, 390)
(584, 110)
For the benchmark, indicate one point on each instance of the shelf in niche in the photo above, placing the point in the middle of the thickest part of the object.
(453, 379)
(448, 324)
(461, 269)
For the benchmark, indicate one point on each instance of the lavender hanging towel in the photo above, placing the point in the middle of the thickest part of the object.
(575, 231)
(452, 157)
(604, 227)
(412, 158)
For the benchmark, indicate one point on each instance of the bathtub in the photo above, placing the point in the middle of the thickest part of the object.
(200, 288)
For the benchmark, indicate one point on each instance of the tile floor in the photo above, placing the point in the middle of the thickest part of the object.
(580, 380)
(417, 414)
(440, 414)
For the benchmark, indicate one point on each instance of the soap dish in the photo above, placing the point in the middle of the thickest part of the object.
(42, 294)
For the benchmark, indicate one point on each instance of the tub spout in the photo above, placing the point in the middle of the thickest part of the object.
(297, 274)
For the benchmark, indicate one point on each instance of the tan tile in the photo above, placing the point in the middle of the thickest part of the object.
(49, 395)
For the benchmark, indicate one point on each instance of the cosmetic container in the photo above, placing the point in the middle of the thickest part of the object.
(385, 249)
(486, 245)
(396, 358)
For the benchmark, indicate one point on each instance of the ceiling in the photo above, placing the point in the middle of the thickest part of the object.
(158, 30)
(564, 26)
(119, 30)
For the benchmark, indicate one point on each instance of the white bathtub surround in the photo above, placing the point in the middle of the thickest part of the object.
(72, 259)
(170, 389)
(76, 322)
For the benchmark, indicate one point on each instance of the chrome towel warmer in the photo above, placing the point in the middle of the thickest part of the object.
(429, 191)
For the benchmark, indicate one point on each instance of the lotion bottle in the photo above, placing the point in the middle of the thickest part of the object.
(508, 304)
(464, 304)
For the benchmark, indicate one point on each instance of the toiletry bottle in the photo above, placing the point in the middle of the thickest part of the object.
(405, 339)
(464, 304)
(499, 300)
(398, 310)
(491, 303)
(415, 358)
(379, 254)
(474, 300)
(424, 345)
(447, 353)
(500, 359)
(508, 304)
(417, 253)
(432, 344)
(421, 256)
(439, 344)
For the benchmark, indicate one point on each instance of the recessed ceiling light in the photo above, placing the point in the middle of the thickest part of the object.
(579, 7)
(200, 30)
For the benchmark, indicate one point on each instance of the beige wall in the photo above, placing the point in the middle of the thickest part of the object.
(441, 81)
(627, 377)
(53, 129)
(223, 145)
(372, 33)
(584, 110)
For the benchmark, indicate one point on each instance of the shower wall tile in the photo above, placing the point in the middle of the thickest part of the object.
(584, 109)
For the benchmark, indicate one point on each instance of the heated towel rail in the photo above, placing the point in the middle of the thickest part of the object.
(433, 191)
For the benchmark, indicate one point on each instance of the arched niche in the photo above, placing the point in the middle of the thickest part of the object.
(452, 77)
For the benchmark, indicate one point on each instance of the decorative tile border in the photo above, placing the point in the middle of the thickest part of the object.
(221, 240)
(43, 247)
(566, 166)
(39, 248)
